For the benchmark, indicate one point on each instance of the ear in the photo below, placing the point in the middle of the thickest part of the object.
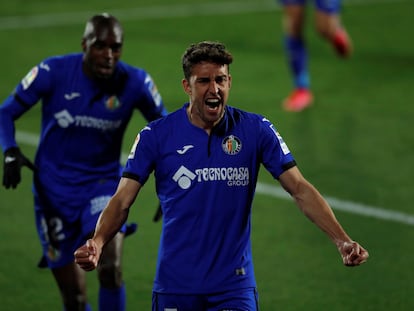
(83, 45)
(230, 81)
(186, 86)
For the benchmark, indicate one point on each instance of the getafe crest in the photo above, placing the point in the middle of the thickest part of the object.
(112, 103)
(231, 145)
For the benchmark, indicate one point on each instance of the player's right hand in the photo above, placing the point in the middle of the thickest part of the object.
(87, 256)
(12, 165)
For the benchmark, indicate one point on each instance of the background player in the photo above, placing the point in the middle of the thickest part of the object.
(87, 101)
(329, 26)
(206, 158)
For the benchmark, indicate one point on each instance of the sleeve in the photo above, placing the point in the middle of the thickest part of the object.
(141, 159)
(27, 93)
(151, 104)
(276, 156)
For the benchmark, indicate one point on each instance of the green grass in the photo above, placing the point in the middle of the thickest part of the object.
(356, 143)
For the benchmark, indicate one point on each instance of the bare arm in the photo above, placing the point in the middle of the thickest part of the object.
(315, 207)
(109, 223)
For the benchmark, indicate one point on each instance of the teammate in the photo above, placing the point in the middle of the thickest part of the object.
(329, 26)
(206, 158)
(87, 101)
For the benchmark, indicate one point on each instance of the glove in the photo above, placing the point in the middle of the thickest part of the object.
(12, 165)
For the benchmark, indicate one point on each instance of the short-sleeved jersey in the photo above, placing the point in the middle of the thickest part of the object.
(206, 184)
(83, 121)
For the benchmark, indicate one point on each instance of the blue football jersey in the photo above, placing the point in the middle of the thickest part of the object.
(206, 185)
(83, 121)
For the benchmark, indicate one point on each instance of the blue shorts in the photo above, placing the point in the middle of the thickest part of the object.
(237, 300)
(328, 6)
(65, 220)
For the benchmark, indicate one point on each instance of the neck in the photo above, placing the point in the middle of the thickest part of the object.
(196, 120)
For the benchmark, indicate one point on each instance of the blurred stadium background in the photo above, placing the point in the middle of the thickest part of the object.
(355, 144)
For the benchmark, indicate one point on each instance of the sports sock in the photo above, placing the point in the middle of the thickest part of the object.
(112, 299)
(298, 61)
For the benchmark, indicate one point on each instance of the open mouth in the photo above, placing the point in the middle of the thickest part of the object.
(213, 103)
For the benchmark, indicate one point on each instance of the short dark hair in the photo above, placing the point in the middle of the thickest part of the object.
(208, 51)
(103, 20)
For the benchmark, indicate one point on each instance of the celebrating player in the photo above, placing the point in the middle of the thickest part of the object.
(206, 158)
(87, 101)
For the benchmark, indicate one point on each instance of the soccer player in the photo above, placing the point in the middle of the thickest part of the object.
(206, 158)
(87, 101)
(329, 26)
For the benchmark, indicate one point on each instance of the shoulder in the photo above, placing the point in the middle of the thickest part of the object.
(60, 65)
(135, 73)
(62, 60)
(171, 120)
(244, 117)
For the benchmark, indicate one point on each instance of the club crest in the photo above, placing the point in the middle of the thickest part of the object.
(231, 145)
(112, 103)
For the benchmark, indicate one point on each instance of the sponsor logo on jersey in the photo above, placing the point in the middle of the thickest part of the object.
(233, 176)
(72, 95)
(30, 77)
(134, 147)
(184, 149)
(282, 143)
(231, 145)
(153, 90)
(137, 138)
(65, 119)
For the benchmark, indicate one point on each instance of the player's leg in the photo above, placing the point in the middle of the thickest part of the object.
(112, 294)
(329, 25)
(72, 286)
(295, 48)
(59, 240)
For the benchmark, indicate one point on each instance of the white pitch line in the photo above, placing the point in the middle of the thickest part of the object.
(345, 206)
(159, 12)
(278, 192)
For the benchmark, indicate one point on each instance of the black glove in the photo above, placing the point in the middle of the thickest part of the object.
(12, 165)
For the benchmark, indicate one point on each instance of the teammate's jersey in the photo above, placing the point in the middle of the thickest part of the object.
(206, 185)
(328, 6)
(83, 121)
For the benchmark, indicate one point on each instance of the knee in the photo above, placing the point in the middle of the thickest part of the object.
(74, 301)
(110, 274)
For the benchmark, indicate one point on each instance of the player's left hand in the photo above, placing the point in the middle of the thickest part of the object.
(352, 253)
(87, 256)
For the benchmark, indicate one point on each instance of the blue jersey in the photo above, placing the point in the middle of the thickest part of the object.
(328, 6)
(78, 156)
(206, 184)
(83, 121)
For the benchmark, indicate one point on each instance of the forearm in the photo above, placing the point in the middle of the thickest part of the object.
(7, 129)
(317, 209)
(110, 222)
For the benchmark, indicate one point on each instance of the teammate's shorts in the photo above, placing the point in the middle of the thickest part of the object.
(237, 300)
(65, 221)
(328, 6)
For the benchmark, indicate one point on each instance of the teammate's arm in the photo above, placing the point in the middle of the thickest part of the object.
(317, 209)
(109, 223)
